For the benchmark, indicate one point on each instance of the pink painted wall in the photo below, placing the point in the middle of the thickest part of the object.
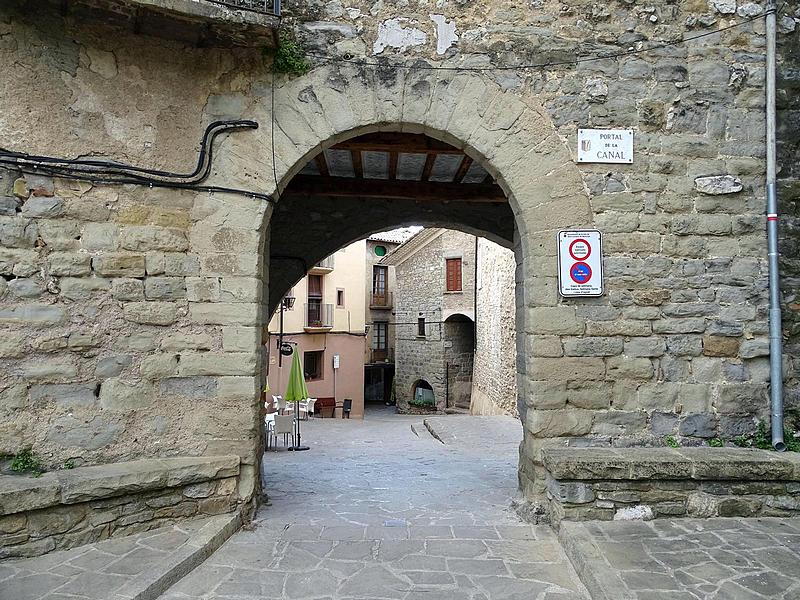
(348, 379)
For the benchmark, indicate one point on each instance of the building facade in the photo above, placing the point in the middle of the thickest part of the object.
(326, 326)
(379, 288)
(136, 287)
(494, 374)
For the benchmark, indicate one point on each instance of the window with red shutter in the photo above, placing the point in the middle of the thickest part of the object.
(453, 274)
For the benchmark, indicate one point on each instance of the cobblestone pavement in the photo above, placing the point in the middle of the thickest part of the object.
(375, 511)
(114, 569)
(687, 559)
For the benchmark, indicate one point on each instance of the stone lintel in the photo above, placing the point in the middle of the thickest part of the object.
(19, 494)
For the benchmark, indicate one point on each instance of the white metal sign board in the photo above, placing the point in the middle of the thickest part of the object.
(335, 361)
(580, 263)
(605, 146)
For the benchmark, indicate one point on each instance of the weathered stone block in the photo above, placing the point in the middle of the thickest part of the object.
(25, 288)
(164, 288)
(79, 288)
(196, 388)
(645, 347)
(593, 346)
(554, 320)
(112, 366)
(151, 313)
(573, 492)
(159, 366)
(212, 363)
(148, 238)
(69, 264)
(625, 367)
(181, 342)
(568, 369)
(240, 289)
(218, 313)
(241, 339)
(122, 396)
(100, 236)
(715, 345)
(700, 425)
(127, 290)
(43, 207)
(559, 423)
(202, 289)
(49, 369)
(119, 265)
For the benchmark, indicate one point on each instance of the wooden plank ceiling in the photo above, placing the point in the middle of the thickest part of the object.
(397, 166)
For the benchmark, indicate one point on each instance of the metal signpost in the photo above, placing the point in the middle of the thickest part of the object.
(580, 263)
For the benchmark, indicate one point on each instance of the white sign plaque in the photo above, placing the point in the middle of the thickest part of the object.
(335, 361)
(605, 146)
(580, 263)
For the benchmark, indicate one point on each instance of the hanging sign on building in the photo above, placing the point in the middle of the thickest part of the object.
(605, 146)
(580, 263)
(335, 361)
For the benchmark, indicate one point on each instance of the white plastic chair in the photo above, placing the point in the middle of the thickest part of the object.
(283, 424)
(281, 404)
(269, 424)
(310, 407)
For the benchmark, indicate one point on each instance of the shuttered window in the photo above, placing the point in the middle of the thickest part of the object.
(453, 274)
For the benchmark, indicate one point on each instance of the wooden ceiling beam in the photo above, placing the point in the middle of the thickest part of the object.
(410, 143)
(358, 167)
(466, 163)
(393, 158)
(426, 170)
(428, 191)
(322, 164)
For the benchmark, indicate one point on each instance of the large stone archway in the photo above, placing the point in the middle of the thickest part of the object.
(512, 137)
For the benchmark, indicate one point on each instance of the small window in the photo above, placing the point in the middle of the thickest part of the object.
(380, 250)
(379, 335)
(421, 327)
(312, 364)
(453, 274)
(339, 297)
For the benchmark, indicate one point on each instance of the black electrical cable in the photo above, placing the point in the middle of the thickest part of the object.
(110, 172)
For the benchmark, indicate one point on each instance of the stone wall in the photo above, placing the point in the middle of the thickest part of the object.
(156, 296)
(788, 117)
(420, 292)
(74, 507)
(494, 378)
(643, 484)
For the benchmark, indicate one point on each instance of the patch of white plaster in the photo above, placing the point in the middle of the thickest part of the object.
(640, 512)
(392, 34)
(445, 33)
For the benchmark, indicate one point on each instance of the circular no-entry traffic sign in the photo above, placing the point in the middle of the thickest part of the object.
(580, 272)
(580, 249)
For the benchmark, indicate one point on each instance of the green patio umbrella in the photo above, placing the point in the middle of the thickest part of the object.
(295, 392)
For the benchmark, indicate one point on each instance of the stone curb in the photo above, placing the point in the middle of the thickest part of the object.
(602, 582)
(149, 586)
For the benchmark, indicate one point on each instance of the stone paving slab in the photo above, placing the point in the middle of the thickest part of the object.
(377, 511)
(135, 567)
(687, 559)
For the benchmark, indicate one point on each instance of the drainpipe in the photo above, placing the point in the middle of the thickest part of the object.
(775, 334)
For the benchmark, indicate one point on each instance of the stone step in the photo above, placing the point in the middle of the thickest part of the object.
(455, 410)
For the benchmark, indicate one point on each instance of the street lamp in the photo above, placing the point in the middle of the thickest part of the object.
(286, 304)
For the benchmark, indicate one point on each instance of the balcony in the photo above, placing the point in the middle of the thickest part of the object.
(319, 317)
(386, 355)
(323, 267)
(205, 23)
(383, 301)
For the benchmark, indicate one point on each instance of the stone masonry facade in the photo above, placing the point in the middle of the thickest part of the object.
(494, 376)
(421, 294)
(131, 316)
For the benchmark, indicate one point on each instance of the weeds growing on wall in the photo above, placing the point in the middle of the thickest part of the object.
(25, 461)
(761, 439)
(288, 58)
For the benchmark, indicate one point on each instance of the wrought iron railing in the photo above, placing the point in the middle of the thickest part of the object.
(266, 7)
